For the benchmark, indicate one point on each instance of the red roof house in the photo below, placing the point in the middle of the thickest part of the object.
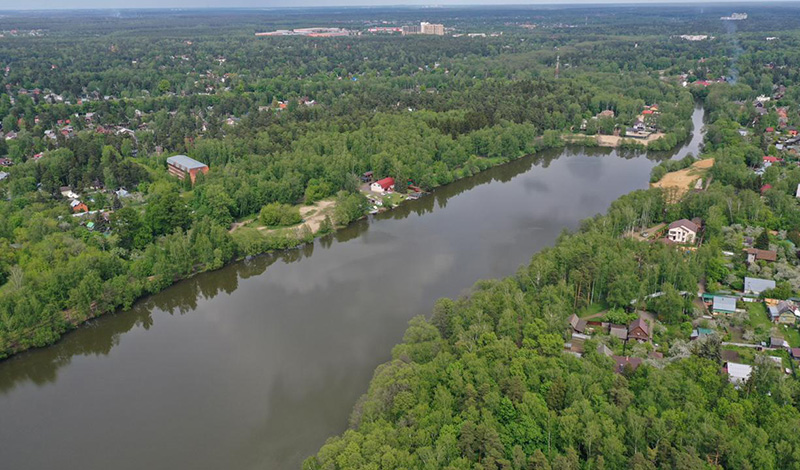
(386, 184)
(771, 159)
(770, 129)
(766, 188)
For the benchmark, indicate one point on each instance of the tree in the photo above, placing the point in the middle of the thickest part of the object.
(762, 241)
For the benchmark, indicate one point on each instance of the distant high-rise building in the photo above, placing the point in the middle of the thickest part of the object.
(413, 29)
(424, 28)
(430, 28)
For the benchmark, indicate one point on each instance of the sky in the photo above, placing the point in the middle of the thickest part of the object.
(113, 4)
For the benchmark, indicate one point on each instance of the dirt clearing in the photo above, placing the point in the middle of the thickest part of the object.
(680, 182)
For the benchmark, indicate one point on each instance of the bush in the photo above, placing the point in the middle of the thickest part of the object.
(280, 215)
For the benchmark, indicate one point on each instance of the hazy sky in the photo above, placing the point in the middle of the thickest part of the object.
(61, 4)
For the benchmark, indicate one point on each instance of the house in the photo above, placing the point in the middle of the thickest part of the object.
(181, 166)
(754, 254)
(578, 325)
(765, 188)
(753, 285)
(797, 194)
(6, 162)
(367, 177)
(619, 331)
(775, 342)
(122, 193)
(384, 185)
(605, 351)
(770, 159)
(700, 332)
(723, 305)
(77, 206)
(639, 330)
(795, 352)
(3, 175)
(782, 312)
(682, 231)
(576, 344)
(737, 373)
(67, 192)
(621, 361)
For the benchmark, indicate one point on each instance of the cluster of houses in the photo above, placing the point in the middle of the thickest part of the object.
(581, 330)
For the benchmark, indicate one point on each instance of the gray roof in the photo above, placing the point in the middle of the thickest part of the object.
(757, 286)
(185, 163)
(3, 175)
(726, 304)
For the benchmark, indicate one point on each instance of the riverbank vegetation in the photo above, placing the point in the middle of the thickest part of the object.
(505, 377)
(90, 219)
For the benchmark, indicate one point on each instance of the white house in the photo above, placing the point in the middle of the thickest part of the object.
(797, 194)
(682, 231)
(738, 373)
(384, 185)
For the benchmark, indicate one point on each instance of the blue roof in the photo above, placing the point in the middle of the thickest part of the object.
(185, 163)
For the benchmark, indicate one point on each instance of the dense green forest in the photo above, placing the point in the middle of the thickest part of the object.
(91, 219)
(278, 120)
(485, 382)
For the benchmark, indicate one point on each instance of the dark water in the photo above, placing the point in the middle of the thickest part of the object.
(255, 365)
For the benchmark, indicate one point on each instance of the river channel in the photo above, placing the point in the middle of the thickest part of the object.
(253, 366)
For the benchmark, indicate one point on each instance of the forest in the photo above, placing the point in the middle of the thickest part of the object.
(91, 220)
(279, 121)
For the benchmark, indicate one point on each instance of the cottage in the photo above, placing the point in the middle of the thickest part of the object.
(619, 331)
(795, 352)
(67, 192)
(782, 312)
(682, 231)
(754, 254)
(700, 332)
(578, 325)
(77, 206)
(3, 175)
(723, 305)
(737, 373)
(620, 362)
(775, 342)
(6, 162)
(639, 330)
(577, 342)
(384, 185)
(602, 349)
(181, 166)
(753, 285)
(367, 177)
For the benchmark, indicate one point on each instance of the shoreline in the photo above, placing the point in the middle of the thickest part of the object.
(73, 325)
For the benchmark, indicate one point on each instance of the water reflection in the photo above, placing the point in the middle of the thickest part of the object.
(254, 365)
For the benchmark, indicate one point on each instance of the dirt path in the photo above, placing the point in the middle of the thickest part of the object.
(615, 141)
(681, 181)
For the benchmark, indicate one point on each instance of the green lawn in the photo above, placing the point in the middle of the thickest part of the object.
(393, 199)
(758, 315)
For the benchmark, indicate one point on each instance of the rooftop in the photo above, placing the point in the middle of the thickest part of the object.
(185, 163)
(727, 304)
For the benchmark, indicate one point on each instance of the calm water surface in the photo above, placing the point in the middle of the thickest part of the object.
(255, 365)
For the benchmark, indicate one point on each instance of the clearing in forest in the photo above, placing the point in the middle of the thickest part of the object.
(680, 182)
